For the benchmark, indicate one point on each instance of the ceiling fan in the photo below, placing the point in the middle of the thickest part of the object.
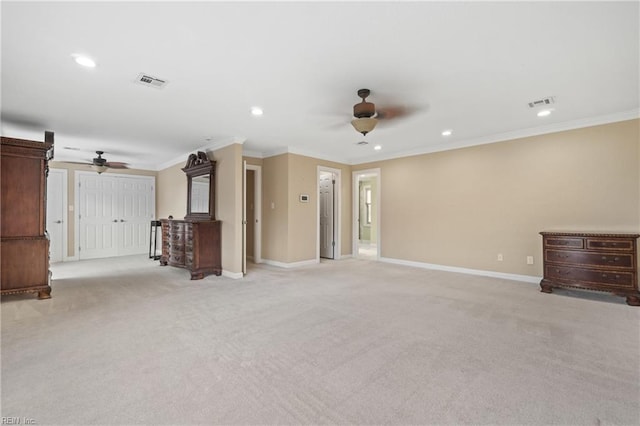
(100, 164)
(367, 116)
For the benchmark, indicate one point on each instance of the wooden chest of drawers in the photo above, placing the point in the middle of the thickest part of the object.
(193, 245)
(592, 261)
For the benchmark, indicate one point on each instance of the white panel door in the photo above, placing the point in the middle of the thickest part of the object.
(98, 216)
(56, 217)
(326, 216)
(135, 213)
(114, 215)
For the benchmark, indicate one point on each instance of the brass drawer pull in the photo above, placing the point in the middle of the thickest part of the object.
(615, 259)
(561, 272)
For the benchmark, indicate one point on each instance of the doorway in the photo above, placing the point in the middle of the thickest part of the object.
(252, 215)
(366, 214)
(328, 213)
(57, 214)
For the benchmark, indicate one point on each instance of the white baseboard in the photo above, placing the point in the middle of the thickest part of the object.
(345, 256)
(292, 264)
(234, 275)
(481, 272)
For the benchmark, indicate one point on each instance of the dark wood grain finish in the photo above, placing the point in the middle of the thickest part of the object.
(591, 261)
(193, 245)
(25, 244)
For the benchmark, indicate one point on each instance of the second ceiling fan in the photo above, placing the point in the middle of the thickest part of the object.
(100, 164)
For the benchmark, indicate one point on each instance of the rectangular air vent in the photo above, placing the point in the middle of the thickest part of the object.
(542, 102)
(147, 80)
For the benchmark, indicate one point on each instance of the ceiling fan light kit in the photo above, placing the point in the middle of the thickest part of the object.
(99, 168)
(364, 125)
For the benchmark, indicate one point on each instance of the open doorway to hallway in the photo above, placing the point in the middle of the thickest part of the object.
(366, 214)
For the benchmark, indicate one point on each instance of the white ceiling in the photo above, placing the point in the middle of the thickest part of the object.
(469, 67)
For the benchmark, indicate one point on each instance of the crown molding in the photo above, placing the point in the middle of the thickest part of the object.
(502, 137)
(294, 150)
(206, 148)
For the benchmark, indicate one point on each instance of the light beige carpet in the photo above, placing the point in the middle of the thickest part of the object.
(125, 341)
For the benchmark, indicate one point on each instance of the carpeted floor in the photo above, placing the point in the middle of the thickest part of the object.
(125, 341)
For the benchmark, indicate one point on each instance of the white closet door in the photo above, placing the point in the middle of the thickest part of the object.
(136, 212)
(98, 216)
(114, 215)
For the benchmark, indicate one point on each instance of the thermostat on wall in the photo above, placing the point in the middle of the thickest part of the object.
(304, 198)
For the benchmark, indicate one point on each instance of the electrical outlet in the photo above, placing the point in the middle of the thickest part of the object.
(499, 257)
(529, 260)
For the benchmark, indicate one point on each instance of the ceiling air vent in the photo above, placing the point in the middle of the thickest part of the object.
(542, 102)
(147, 80)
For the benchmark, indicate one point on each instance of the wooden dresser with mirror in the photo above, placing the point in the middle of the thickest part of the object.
(195, 242)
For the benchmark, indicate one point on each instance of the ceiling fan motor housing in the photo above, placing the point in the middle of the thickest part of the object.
(99, 161)
(364, 109)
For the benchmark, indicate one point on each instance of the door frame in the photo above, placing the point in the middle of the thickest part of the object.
(76, 202)
(337, 211)
(257, 202)
(356, 209)
(65, 212)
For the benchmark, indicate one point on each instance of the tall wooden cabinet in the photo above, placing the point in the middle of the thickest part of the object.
(25, 245)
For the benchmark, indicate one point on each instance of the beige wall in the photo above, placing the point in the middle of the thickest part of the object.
(71, 193)
(172, 192)
(290, 228)
(463, 207)
(172, 200)
(275, 176)
(457, 208)
(229, 204)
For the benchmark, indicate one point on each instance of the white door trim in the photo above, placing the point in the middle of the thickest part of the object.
(337, 253)
(76, 203)
(356, 209)
(257, 201)
(65, 213)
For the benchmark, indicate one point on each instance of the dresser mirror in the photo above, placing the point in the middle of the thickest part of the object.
(200, 173)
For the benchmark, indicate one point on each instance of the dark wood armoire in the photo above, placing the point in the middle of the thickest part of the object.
(25, 245)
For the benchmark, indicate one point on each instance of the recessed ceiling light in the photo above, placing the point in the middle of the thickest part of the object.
(85, 61)
(544, 113)
(257, 111)
(446, 132)
(377, 147)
